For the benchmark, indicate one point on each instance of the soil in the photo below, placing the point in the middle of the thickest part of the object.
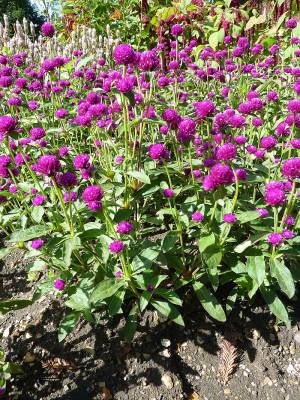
(164, 362)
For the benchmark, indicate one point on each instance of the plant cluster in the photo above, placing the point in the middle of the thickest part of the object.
(131, 186)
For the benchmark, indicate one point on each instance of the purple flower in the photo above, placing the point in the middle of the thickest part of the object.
(171, 117)
(38, 200)
(48, 165)
(197, 216)
(92, 197)
(116, 246)
(226, 152)
(125, 85)
(291, 168)
(274, 239)
(287, 234)
(67, 179)
(124, 227)
(47, 29)
(158, 151)
(275, 197)
(70, 197)
(290, 220)
(37, 133)
(61, 113)
(37, 244)
(81, 161)
(204, 108)
(294, 106)
(168, 193)
(263, 212)
(229, 218)
(118, 274)
(7, 124)
(123, 54)
(177, 30)
(221, 174)
(59, 284)
(186, 130)
(268, 142)
(119, 159)
(291, 23)
(149, 60)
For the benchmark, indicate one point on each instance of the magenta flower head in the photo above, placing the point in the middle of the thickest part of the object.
(291, 168)
(81, 161)
(158, 152)
(186, 130)
(229, 218)
(275, 197)
(92, 197)
(124, 227)
(275, 239)
(291, 23)
(7, 124)
(59, 284)
(37, 244)
(116, 246)
(197, 216)
(48, 165)
(118, 274)
(263, 212)
(123, 54)
(37, 133)
(2, 390)
(268, 142)
(47, 29)
(119, 159)
(168, 193)
(290, 220)
(222, 174)
(67, 179)
(38, 200)
(177, 30)
(287, 234)
(226, 152)
(70, 197)
(294, 106)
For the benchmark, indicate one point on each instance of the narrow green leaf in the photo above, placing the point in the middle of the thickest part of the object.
(115, 304)
(31, 233)
(67, 325)
(206, 241)
(275, 304)
(283, 276)
(257, 269)
(169, 241)
(168, 310)
(209, 302)
(140, 176)
(131, 323)
(105, 289)
(37, 213)
(79, 301)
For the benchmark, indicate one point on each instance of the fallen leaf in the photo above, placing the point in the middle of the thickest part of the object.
(58, 364)
(193, 396)
(105, 394)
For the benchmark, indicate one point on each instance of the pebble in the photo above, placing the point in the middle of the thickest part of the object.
(292, 349)
(267, 381)
(297, 337)
(166, 353)
(5, 333)
(167, 381)
(29, 358)
(165, 342)
(256, 334)
(227, 391)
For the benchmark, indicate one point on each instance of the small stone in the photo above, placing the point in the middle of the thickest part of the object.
(267, 381)
(297, 337)
(6, 332)
(28, 335)
(245, 373)
(165, 342)
(256, 334)
(166, 353)
(167, 381)
(227, 391)
(65, 388)
(292, 349)
(29, 358)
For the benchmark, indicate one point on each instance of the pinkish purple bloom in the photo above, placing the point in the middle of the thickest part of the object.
(37, 244)
(116, 246)
(229, 218)
(197, 216)
(59, 284)
(124, 227)
(275, 239)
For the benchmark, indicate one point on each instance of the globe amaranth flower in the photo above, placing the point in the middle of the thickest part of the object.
(149, 60)
(287, 234)
(81, 161)
(123, 54)
(294, 106)
(37, 133)
(291, 168)
(118, 274)
(222, 174)
(92, 196)
(7, 124)
(48, 165)
(186, 130)
(291, 23)
(169, 193)
(125, 85)
(229, 218)
(263, 212)
(59, 284)
(124, 227)
(177, 30)
(61, 113)
(268, 142)
(158, 152)
(116, 246)
(275, 239)
(290, 220)
(171, 117)
(47, 29)
(197, 216)
(226, 152)
(70, 197)
(204, 108)
(275, 197)
(67, 179)
(37, 244)
(38, 200)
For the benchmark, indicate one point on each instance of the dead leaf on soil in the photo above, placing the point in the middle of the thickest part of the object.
(57, 365)
(229, 359)
(193, 396)
(105, 394)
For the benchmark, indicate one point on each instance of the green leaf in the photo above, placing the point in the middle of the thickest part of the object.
(216, 38)
(283, 276)
(105, 289)
(145, 258)
(140, 176)
(12, 305)
(248, 216)
(169, 295)
(67, 325)
(209, 302)
(38, 213)
(84, 61)
(31, 233)
(206, 241)
(169, 241)
(70, 244)
(275, 304)
(116, 302)
(4, 252)
(212, 257)
(131, 323)
(144, 300)
(169, 310)
(79, 301)
(257, 269)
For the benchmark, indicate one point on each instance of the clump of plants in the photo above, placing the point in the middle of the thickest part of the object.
(132, 186)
